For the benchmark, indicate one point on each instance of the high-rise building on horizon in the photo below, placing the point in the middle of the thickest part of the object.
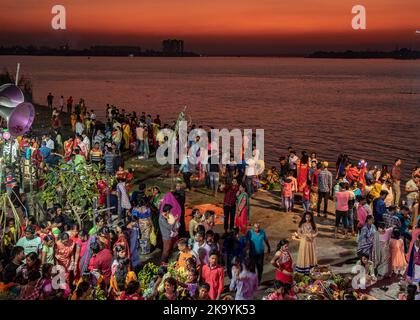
(173, 46)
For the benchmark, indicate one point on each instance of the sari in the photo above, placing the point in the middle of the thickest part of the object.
(414, 236)
(352, 174)
(122, 241)
(68, 148)
(368, 243)
(64, 256)
(384, 262)
(176, 210)
(126, 135)
(302, 178)
(284, 262)
(134, 247)
(73, 120)
(121, 277)
(242, 212)
(413, 268)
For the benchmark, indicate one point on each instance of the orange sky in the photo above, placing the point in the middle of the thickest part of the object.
(215, 26)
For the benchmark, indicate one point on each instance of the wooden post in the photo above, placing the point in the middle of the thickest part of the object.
(17, 74)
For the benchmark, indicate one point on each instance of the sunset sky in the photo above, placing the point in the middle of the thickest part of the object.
(215, 26)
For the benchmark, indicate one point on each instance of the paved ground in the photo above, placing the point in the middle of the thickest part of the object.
(338, 253)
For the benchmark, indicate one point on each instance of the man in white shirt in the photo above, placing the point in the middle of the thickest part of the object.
(412, 190)
(50, 143)
(86, 141)
(250, 172)
(293, 159)
(79, 128)
(200, 242)
(92, 115)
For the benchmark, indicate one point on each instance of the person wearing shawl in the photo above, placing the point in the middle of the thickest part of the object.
(368, 242)
(168, 230)
(413, 268)
(122, 240)
(121, 273)
(352, 173)
(242, 210)
(176, 210)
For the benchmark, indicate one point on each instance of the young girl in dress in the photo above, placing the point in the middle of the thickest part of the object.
(307, 251)
(396, 246)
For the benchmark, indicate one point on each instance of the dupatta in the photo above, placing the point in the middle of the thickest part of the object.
(241, 199)
(169, 198)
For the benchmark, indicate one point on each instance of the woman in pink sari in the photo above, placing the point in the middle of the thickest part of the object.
(67, 255)
(242, 211)
(302, 171)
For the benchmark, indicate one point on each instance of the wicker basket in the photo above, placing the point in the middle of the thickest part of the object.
(321, 273)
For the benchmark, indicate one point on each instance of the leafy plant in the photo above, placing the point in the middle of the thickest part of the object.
(75, 188)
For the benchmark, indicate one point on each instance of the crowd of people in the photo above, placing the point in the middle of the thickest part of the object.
(102, 260)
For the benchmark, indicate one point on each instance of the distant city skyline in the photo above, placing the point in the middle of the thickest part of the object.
(264, 27)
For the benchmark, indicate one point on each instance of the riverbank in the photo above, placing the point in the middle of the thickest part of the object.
(265, 209)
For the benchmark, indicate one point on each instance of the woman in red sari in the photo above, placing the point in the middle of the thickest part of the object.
(122, 240)
(102, 191)
(68, 149)
(302, 171)
(283, 262)
(67, 254)
(242, 210)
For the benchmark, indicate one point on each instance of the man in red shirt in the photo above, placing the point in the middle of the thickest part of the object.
(103, 262)
(213, 275)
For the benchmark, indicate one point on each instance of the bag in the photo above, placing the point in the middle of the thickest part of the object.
(153, 238)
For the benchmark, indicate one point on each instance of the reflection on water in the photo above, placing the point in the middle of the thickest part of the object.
(367, 108)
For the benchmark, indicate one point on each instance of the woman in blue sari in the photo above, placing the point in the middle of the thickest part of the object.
(368, 242)
(134, 241)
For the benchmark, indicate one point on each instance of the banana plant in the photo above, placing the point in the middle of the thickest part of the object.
(6, 205)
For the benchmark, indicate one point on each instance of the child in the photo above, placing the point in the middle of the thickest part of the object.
(287, 194)
(194, 222)
(210, 240)
(185, 253)
(213, 274)
(236, 266)
(306, 196)
(170, 285)
(200, 243)
(203, 293)
(191, 284)
(396, 246)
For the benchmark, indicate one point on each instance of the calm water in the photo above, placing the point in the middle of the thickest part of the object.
(367, 108)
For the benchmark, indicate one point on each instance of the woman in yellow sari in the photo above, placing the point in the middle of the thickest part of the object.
(126, 135)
